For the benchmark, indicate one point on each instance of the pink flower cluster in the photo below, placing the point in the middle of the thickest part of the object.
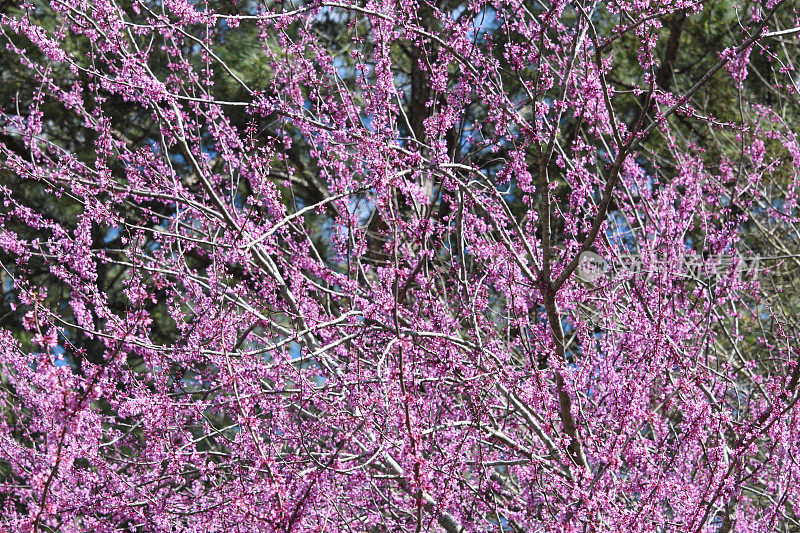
(341, 294)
